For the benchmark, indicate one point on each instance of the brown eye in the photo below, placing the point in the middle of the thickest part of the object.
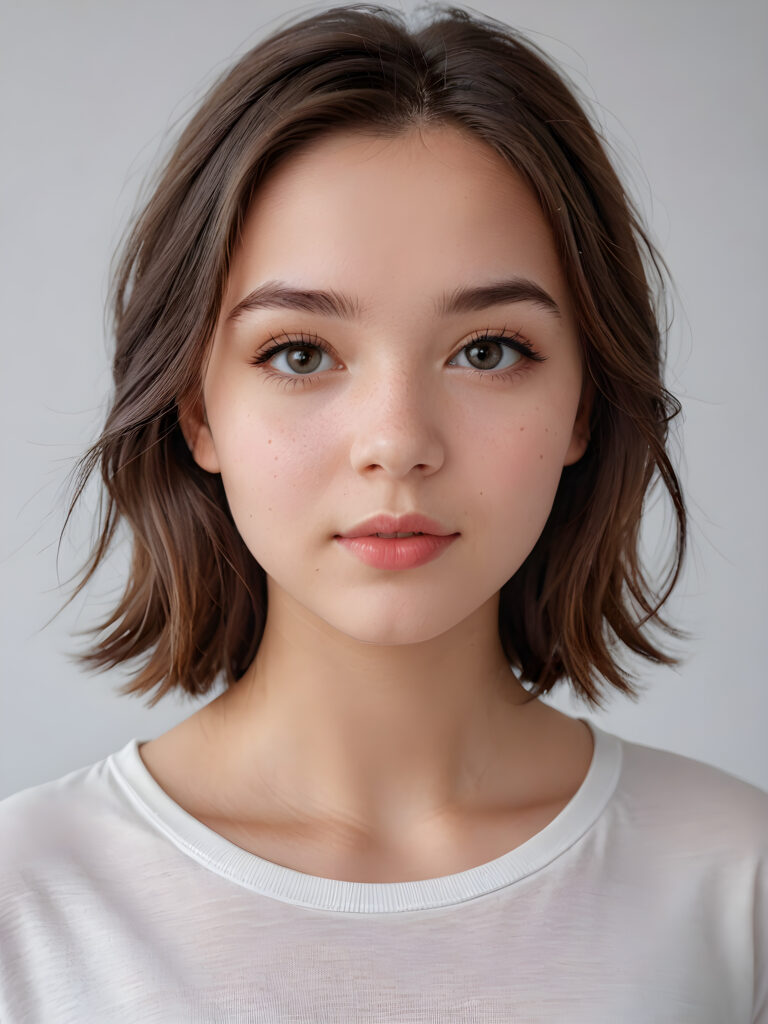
(488, 353)
(303, 358)
(485, 352)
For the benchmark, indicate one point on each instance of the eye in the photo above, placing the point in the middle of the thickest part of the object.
(303, 355)
(300, 354)
(490, 347)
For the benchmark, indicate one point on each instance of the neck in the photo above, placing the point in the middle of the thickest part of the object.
(376, 737)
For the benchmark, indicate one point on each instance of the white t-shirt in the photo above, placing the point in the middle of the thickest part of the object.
(645, 900)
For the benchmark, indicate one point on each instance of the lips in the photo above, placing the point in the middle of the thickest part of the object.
(396, 553)
(412, 522)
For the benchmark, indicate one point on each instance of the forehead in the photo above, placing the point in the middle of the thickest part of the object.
(395, 221)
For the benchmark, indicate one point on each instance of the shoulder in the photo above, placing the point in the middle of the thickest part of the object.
(697, 838)
(45, 825)
(692, 800)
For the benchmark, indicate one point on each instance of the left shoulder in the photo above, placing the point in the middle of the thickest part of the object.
(686, 794)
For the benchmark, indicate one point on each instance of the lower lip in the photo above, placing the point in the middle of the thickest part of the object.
(397, 552)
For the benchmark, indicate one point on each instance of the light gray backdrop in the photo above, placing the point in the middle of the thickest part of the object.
(90, 91)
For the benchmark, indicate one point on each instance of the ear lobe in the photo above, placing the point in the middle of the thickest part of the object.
(581, 432)
(197, 434)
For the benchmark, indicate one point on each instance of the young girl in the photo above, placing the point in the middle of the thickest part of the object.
(388, 284)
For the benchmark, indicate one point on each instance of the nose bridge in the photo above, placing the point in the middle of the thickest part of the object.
(393, 378)
(398, 382)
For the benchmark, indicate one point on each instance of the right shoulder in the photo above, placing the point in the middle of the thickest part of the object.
(44, 825)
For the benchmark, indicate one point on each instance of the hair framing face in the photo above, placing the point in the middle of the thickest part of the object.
(583, 590)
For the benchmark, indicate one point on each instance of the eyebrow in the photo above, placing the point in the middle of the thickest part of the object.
(467, 299)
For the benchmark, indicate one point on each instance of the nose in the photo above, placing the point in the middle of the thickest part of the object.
(397, 428)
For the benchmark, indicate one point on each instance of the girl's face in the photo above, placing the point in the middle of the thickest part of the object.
(395, 406)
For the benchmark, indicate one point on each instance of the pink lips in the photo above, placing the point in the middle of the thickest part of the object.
(410, 522)
(397, 552)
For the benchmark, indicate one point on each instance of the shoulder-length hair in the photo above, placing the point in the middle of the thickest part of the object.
(195, 601)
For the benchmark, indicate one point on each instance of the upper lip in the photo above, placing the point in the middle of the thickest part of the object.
(412, 522)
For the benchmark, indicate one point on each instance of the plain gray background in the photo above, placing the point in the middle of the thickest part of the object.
(90, 93)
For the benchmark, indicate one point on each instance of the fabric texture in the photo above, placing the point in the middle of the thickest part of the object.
(644, 900)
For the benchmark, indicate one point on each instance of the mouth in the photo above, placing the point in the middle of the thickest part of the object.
(391, 536)
(388, 526)
(398, 551)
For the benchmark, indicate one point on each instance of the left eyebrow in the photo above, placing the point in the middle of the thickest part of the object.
(330, 303)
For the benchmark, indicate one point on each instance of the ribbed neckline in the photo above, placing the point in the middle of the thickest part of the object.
(218, 854)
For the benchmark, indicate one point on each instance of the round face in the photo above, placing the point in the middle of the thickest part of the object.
(441, 374)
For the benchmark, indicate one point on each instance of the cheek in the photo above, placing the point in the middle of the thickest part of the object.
(520, 470)
(271, 473)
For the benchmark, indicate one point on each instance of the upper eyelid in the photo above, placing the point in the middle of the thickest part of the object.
(269, 349)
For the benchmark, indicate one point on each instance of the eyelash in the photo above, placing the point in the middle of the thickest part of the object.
(512, 341)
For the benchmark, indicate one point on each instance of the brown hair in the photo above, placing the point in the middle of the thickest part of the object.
(195, 602)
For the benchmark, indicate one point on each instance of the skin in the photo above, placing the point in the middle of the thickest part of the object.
(380, 722)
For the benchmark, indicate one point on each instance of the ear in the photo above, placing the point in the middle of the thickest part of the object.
(581, 433)
(197, 433)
